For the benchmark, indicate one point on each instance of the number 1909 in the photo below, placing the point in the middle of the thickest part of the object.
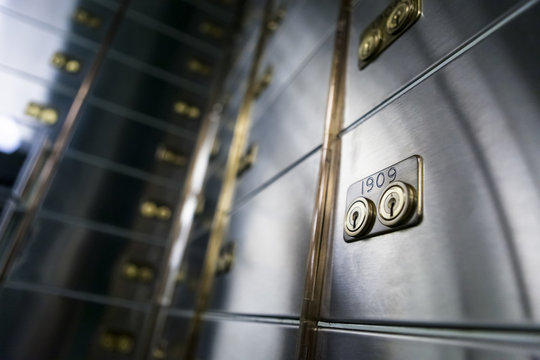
(378, 180)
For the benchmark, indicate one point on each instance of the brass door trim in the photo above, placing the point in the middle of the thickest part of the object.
(221, 219)
(323, 217)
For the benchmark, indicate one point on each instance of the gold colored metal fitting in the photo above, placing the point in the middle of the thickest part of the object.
(146, 274)
(148, 209)
(124, 344)
(198, 67)
(33, 110)
(370, 44)
(87, 19)
(360, 217)
(386, 28)
(211, 29)
(108, 342)
(73, 66)
(130, 271)
(46, 115)
(168, 156)
(277, 19)
(163, 213)
(397, 204)
(58, 60)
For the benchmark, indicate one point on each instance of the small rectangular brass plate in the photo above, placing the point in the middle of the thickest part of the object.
(386, 28)
(408, 171)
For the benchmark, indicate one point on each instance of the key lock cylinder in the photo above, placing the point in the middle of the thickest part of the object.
(386, 201)
(397, 204)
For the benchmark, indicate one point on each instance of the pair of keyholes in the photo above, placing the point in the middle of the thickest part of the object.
(395, 207)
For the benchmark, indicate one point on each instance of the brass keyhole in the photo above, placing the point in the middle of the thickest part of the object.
(369, 44)
(354, 218)
(360, 217)
(391, 205)
(399, 17)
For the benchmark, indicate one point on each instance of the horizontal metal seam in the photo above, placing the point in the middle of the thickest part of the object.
(444, 61)
(101, 227)
(250, 195)
(76, 295)
(508, 335)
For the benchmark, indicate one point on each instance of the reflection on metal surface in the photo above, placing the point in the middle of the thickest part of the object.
(397, 193)
(10, 135)
(383, 31)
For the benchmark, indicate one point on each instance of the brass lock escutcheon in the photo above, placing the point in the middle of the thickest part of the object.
(117, 342)
(386, 28)
(66, 62)
(386, 201)
(43, 113)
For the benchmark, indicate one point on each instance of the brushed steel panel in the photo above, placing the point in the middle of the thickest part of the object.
(58, 15)
(443, 27)
(307, 25)
(17, 91)
(68, 256)
(31, 50)
(130, 143)
(474, 258)
(180, 16)
(39, 326)
(89, 192)
(162, 50)
(241, 340)
(271, 232)
(135, 90)
(293, 126)
(341, 345)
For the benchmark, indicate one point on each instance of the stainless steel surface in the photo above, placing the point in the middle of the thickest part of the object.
(64, 255)
(130, 143)
(474, 258)
(271, 232)
(241, 340)
(293, 126)
(32, 49)
(44, 326)
(443, 27)
(299, 39)
(18, 91)
(341, 345)
(58, 15)
(90, 192)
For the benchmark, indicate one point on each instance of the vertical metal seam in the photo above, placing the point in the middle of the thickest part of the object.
(36, 194)
(222, 214)
(326, 191)
(184, 216)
